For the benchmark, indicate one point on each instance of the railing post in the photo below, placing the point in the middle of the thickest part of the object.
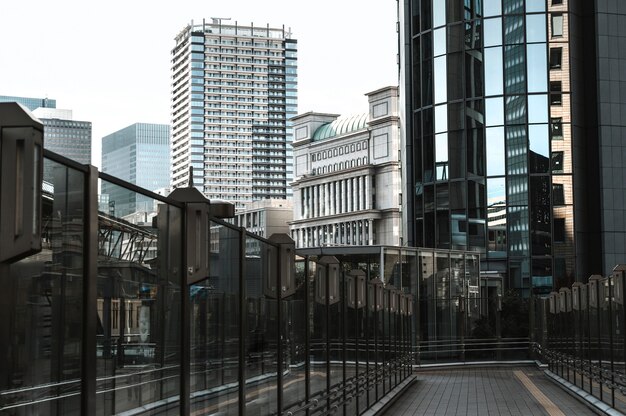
(90, 285)
(285, 278)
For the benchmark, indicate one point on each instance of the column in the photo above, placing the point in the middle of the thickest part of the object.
(341, 195)
(368, 192)
(332, 198)
(371, 232)
(349, 195)
(363, 192)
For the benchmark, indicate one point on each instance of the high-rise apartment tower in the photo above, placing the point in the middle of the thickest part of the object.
(233, 90)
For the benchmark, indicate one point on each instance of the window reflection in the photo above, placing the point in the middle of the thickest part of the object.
(494, 111)
(538, 108)
(495, 153)
(441, 156)
(493, 32)
(539, 148)
(536, 28)
(439, 13)
(441, 118)
(515, 76)
(441, 86)
(439, 36)
(492, 8)
(535, 6)
(493, 61)
(537, 68)
(513, 30)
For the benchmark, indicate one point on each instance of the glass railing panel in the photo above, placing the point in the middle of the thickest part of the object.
(294, 324)
(42, 307)
(214, 308)
(138, 302)
(261, 329)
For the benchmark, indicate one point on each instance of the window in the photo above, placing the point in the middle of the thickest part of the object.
(557, 25)
(559, 230)
(558, 195)
(557, 162)
(556, 55)
(556, 93)
(556, 128)
(555, 2)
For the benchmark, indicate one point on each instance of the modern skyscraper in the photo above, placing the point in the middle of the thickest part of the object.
(233, 90)
(513, 134)
(139, 154)
(64, 135)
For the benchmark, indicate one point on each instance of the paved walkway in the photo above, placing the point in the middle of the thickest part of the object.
(515, 391)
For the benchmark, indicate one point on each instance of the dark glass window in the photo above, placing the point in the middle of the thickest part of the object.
(557, 161)
(555, 2)
(558, 194)
(559, 230)
(556, 93)
(556, 55)
(556, 128)
(415, 11)
(426, 15)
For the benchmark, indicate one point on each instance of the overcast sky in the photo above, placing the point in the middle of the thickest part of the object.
(109, 61)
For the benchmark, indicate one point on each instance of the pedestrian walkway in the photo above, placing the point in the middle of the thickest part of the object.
(514, 391)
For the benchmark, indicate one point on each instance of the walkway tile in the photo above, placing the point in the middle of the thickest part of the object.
(487, 391)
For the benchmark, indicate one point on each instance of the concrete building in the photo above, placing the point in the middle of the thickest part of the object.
(233, 90)
(139, 154)
(513, 111)
(266, 217)
(347, 176)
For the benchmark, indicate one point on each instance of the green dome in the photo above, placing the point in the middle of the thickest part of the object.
(342, 125)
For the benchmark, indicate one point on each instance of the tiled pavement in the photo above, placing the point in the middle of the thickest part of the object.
(487, 391)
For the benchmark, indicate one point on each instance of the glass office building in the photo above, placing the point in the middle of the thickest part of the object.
(233, 90)
(139, 154)
(506, 150)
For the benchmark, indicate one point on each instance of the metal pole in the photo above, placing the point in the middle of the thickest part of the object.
(242, 322)
(90, 294)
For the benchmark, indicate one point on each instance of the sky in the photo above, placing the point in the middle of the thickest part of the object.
(109, 61)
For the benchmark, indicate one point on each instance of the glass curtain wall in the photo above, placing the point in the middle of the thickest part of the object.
(490, 135)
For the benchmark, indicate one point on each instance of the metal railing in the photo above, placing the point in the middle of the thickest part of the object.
(579, 332)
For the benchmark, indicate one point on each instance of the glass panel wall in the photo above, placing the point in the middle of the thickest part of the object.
(138, 302)
(42, 307)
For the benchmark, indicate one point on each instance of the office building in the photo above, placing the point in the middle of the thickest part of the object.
(266, 217)
(139, 154)
(347, 187)
(513, 135)
(30, 103)
(64, 135)
(233, 90)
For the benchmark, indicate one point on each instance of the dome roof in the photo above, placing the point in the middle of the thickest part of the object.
(340, 126)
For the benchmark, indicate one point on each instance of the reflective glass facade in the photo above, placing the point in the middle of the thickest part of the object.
(139, 154)
(488, 135)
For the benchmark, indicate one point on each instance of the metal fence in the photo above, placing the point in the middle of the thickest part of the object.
(579, 332)
(103, 320)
